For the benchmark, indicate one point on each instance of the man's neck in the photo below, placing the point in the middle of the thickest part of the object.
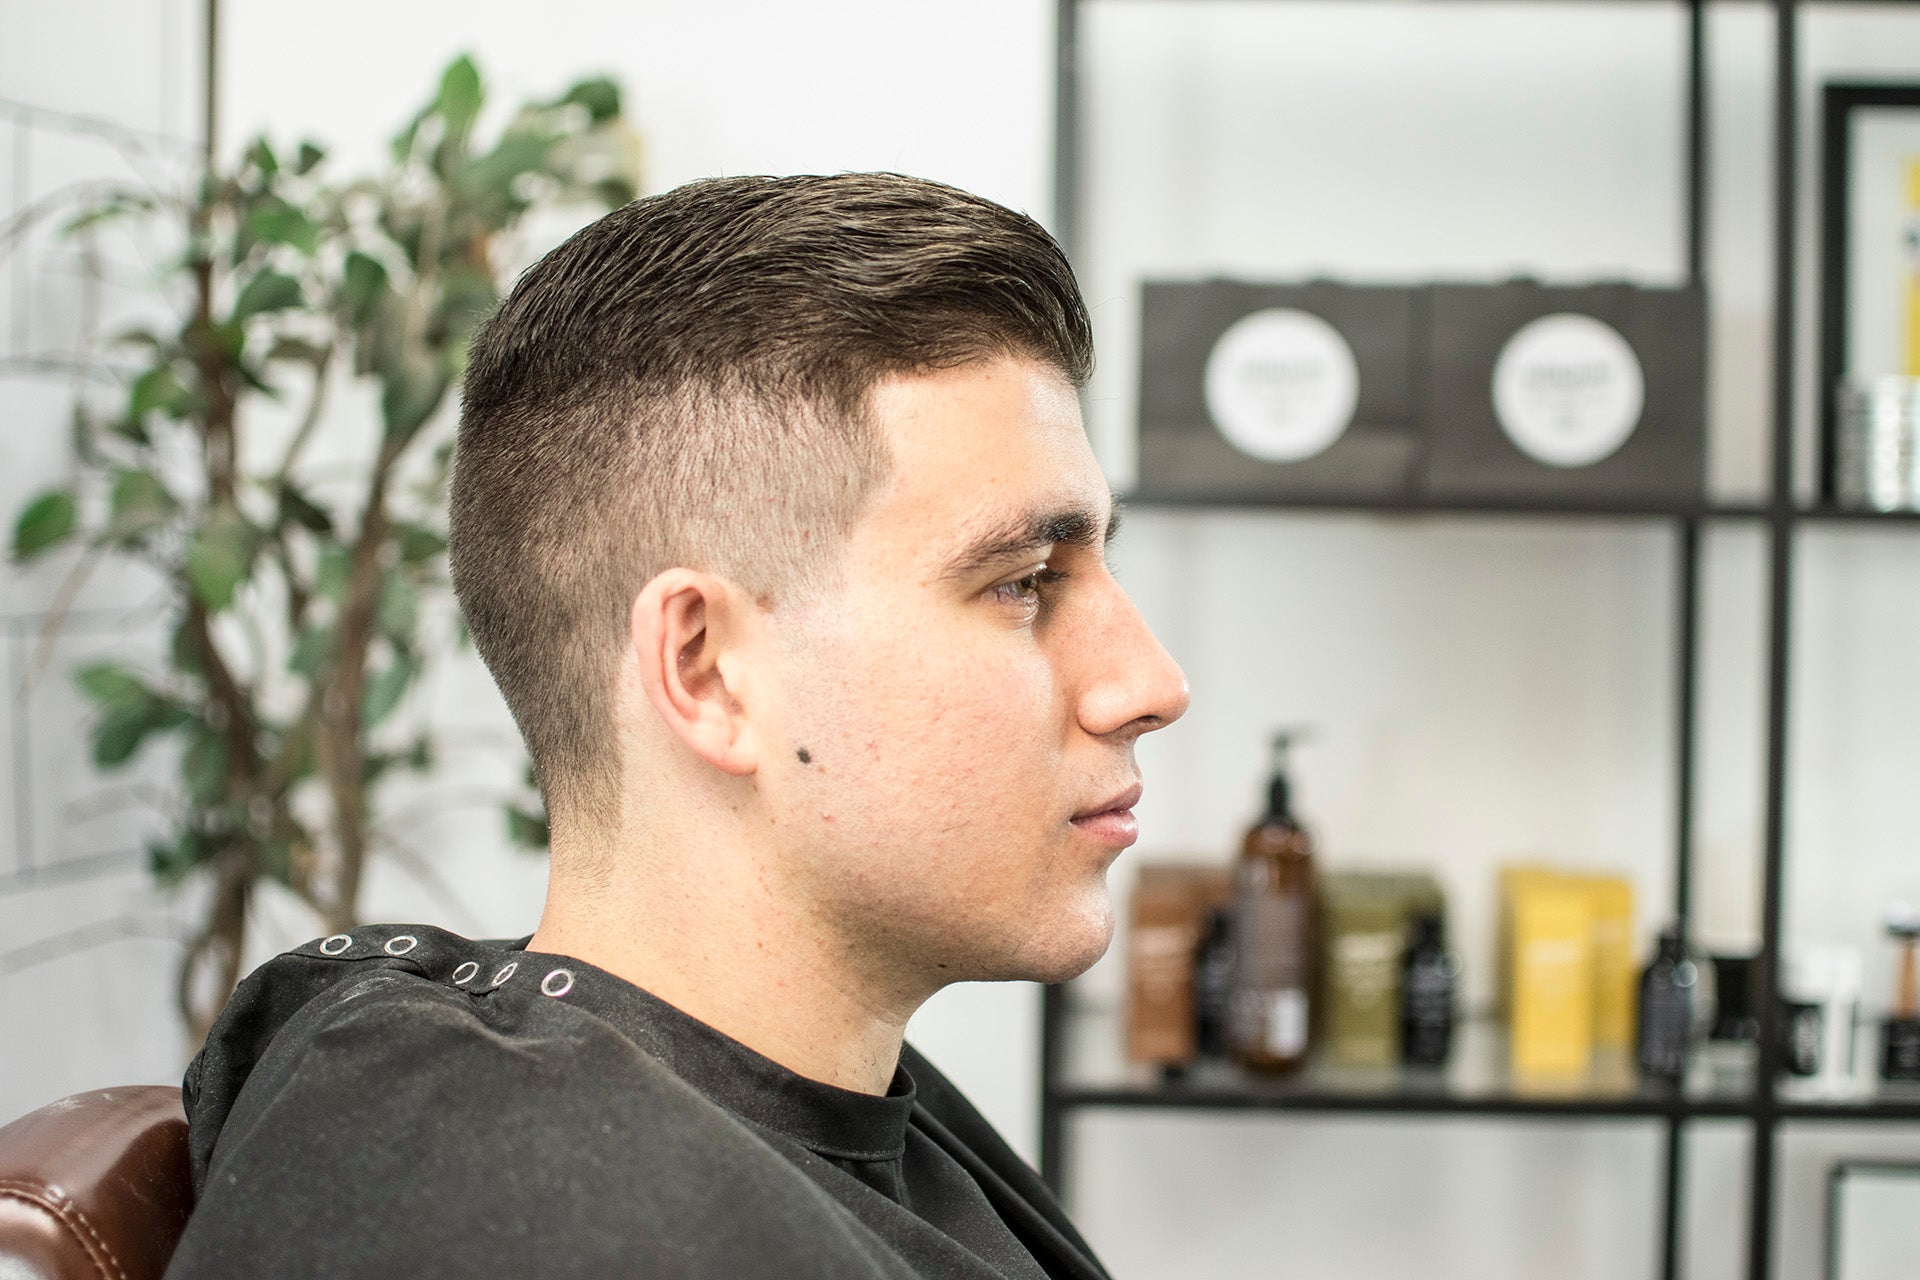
(748, 968)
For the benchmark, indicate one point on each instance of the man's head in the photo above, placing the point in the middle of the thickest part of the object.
(684, 382)
(782, 486)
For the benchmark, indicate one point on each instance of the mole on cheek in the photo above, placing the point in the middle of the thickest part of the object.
(806, 756)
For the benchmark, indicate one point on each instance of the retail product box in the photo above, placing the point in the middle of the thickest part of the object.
(1514, 878)
(1614, 975)
(1367, 918)
(1551, 1022)
(1592, 393)
(1279, 390)
(1616, 972)
(1167, 915)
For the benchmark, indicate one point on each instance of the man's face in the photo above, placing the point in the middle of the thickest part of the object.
(959, 712)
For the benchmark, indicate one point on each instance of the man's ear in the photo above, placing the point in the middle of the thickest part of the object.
(687, 632)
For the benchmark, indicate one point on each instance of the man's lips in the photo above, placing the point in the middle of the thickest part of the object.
(1111, 821)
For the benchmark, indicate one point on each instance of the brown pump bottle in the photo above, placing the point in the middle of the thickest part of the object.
(1271, 1015)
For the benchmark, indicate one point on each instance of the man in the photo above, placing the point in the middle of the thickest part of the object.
(774, 518)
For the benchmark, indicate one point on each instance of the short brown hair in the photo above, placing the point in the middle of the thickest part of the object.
(683, 383)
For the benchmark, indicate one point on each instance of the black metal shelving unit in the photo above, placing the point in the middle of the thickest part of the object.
(1761, 1106)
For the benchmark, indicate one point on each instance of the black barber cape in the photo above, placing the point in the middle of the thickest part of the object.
(404, 1102)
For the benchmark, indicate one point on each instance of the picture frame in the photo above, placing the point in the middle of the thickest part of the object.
(1870, 221)
(1870, 1211)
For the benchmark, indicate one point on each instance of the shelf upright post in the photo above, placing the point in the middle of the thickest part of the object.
(1672, 1220)
(1687, 618)
(1066, 125)
(1696, 143)
(1780, 531)
(1066, 226)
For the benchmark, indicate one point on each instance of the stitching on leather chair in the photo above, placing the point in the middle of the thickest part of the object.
(44, 1197)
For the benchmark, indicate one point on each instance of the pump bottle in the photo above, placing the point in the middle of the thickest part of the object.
(1271, 1015)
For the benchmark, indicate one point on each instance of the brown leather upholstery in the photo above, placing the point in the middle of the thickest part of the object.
(95, 1186)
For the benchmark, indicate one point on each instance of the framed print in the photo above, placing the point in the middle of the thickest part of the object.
(1870, 296)
(1872, 1220)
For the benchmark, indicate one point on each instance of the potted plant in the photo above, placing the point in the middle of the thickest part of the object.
(304, 576)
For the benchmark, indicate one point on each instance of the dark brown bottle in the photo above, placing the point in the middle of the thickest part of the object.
(1272, 1015)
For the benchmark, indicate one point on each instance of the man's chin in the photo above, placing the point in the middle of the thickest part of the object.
(1066, 952)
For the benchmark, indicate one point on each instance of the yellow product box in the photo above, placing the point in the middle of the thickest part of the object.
(1513, 879)
(1552, 1020)
(1616, 978)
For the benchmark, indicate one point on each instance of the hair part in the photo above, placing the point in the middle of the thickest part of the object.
(685, 383)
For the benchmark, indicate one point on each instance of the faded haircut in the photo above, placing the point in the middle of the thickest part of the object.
(684, 383)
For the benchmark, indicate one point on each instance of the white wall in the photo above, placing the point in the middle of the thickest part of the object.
(1482, 690)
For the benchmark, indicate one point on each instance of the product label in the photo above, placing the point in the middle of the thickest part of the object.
(1286, 1023)
(1281, 385)
(1270, 1007)
(1568, 390)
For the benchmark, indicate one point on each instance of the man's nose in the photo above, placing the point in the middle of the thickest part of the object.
(1133, 685)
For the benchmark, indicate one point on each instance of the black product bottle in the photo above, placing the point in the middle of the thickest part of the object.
(1900, 1033)
(1428, 976)
(1271, 1020)
(1666, 1009)
(1213, 984)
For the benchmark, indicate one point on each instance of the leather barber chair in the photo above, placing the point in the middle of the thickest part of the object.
(95, 1187)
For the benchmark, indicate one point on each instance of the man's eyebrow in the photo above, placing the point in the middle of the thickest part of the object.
(1069, 526)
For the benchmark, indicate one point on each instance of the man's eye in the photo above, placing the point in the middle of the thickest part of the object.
(1028, 588)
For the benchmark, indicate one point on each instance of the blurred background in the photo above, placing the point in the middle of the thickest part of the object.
(1590, 680)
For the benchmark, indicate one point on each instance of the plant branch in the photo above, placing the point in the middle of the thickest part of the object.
(315, 406)
(84, 938)
(63, 598)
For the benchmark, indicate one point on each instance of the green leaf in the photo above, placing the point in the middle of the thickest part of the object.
(122, 730)
(158, 391)
(465, 299)
(181, 650)
(297, 349)
(309, 156)
(116, 205)
(418, 545)
(276, 860)
(458, 102)
(203, 766)
(46, 522)
(600, 96)
(267, 291)
(274, 221)
(298, 508)
(397, 612)
(141, 503)
(171, 862)
(420, 757)
(615, 192)
(409, 395)
(388, 686)
(489, 179)
(219, 557)
(260, 156)
(311, 652)
(228, 340)
(362, 287)
(114, 687)
(527, 829)
(330, 575)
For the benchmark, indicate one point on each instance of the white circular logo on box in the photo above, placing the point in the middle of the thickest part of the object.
(1281, 385)
(1568, 390)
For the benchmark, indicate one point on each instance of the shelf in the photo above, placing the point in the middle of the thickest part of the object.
(1475, 1083)
(1899, 1102)
(1416, 506)
(1554, 508)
